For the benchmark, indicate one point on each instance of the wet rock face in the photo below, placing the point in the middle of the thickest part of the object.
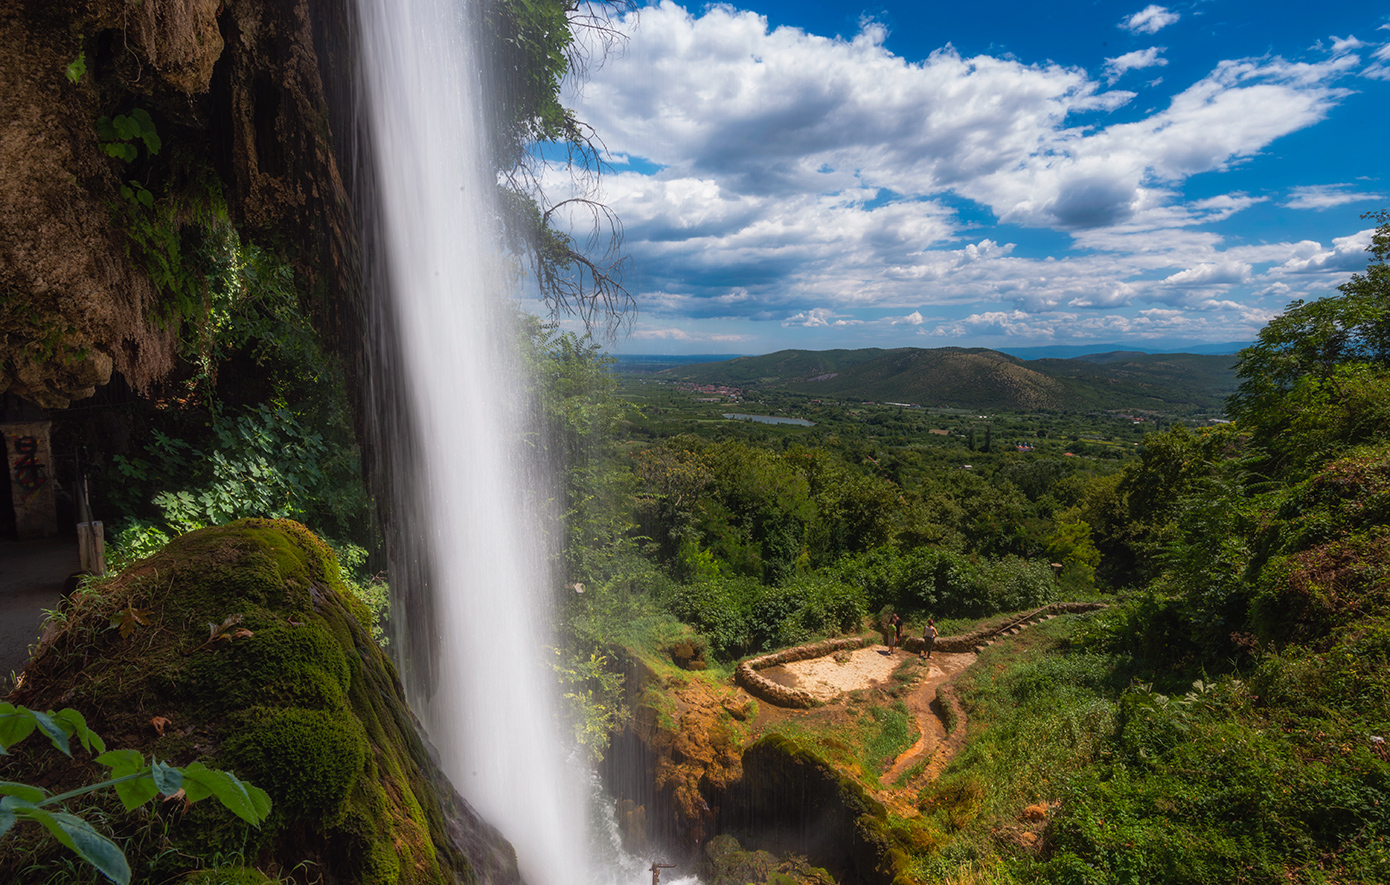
(235, 91)
(795, 803)
(302, 703)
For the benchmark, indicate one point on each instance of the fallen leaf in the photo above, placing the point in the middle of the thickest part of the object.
(129, 618)
(159, 722)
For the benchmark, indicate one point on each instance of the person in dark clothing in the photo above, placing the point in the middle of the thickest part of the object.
(895, 632)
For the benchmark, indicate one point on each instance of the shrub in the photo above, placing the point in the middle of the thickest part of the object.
(717, 607)
(810, 605)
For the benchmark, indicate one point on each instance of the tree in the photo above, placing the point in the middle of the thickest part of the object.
(1311, 340)
(533, 45)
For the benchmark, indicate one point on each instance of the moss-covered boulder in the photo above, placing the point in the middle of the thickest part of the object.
(240, 646)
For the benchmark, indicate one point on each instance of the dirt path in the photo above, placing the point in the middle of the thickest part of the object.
(822, 684)
(932, 717)
(930, 701)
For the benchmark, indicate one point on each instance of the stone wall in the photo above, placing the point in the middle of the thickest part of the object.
(747, 676)
(753, 682)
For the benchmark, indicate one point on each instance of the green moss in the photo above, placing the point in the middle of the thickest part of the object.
(284, 665)
(307, 707)
(307, 760)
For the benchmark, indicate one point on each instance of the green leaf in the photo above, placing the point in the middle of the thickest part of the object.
(75, 724)
(126, 127)
(7, 819)
(87, 843)
(168, 778)
(145, 197)
(26, 792)
(76, 68)
(16, 724)
(55, 732)
(122, 762)
(260, 800)
(249, 803)
(135, 793)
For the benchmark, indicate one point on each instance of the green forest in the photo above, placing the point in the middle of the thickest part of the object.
(1220, 714)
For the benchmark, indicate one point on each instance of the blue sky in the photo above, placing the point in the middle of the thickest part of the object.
(825, 174)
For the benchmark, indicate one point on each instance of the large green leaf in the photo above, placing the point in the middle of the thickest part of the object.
(16, 724)
(167, 777)
(122, 762)
(7, 819)
(135, 793)
(74, 723)
(91, 846)
(246, 802)
(56, 734)
(24, 791)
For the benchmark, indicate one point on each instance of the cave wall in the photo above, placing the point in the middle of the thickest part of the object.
(236, 92)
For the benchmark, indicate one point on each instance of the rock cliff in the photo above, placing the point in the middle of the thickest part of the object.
(91, 221)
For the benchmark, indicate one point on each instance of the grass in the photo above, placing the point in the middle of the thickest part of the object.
(1036, 715)
(862, 745)
(1263, 779)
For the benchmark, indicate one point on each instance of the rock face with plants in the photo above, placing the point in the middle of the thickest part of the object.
(240, 648)
(131, 127)
(139, 130)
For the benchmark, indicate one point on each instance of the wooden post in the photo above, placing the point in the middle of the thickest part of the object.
(656, 871)
(91, 548)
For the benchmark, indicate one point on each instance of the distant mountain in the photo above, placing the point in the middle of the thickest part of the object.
(654, 362)
(1067, 351)
(987, 380)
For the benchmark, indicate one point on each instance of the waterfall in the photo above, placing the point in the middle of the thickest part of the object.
(469, 554)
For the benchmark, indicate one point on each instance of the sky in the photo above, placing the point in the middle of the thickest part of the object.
(822, 175)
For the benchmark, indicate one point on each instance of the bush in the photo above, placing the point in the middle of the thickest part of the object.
(928, 581)
(808, 606)
(718, 608)
(1012, 583)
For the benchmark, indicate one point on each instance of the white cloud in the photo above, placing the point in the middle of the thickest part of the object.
(817, 183)
(1115, 68)
(1348, 254)
(1325, 196)
(820, 316)
(1150, 20)
(1380, 68)
(1343, 45)
(1208, 273)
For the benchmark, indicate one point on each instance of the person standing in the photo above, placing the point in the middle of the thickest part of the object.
(894, 631)
(929, 635)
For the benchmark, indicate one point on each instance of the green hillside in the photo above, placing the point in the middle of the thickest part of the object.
(985, 379)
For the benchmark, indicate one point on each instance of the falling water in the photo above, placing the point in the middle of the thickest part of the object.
(470, 552)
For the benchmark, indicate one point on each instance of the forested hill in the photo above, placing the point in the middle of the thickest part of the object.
(977, 378)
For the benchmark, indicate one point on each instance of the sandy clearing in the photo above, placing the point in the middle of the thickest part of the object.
(826, 678)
